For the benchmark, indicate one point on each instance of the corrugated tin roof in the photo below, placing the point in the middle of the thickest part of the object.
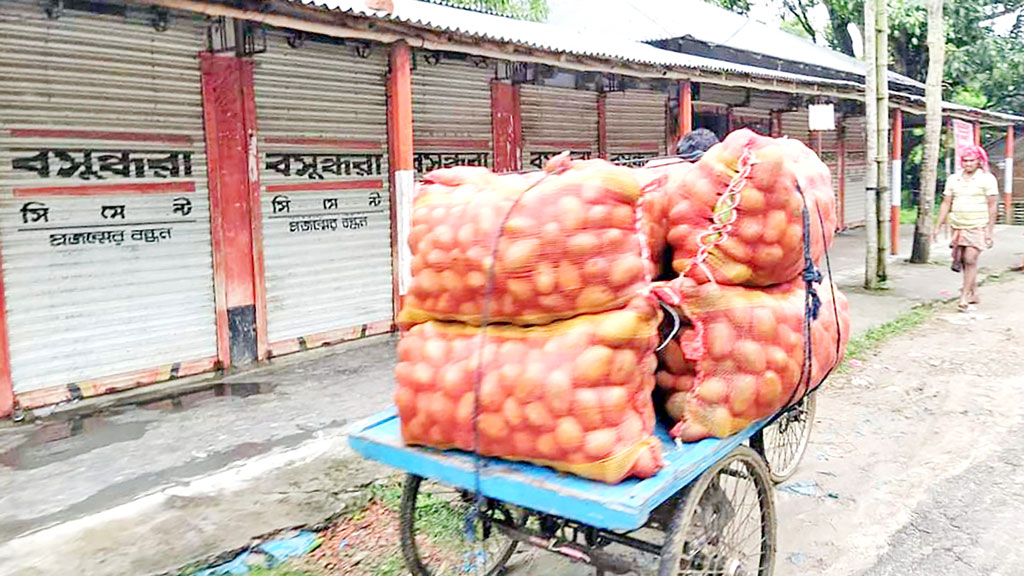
(650, 20)
(993, 113)
(612, 44)
(961, 110)
(550, 37)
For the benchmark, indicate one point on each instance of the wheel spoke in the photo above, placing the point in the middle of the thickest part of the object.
(784, 442)
(434, 538)
(727, 522)
(741, 520)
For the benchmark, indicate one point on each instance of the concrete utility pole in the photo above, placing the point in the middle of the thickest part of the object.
(932, 134)
(876, 52)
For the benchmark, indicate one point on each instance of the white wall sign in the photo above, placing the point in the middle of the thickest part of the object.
(821, 117)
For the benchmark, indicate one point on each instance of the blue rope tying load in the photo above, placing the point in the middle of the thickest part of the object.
(812, 275)
(812, 303)
(479, 502)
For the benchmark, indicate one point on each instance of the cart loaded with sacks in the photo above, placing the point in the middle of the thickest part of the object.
(612, 364)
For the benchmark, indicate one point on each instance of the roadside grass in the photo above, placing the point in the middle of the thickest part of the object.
(382, 555)
(999, 278)
(908, 215)
(861, 347)
(388, 492)
(391, 565)
(288, 568)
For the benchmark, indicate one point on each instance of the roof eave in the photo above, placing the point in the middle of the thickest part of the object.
(297, 15)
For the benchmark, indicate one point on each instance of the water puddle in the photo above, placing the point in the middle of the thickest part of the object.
(180, 402)
(50, 441)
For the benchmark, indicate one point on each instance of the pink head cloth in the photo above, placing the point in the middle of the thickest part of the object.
(975, 151)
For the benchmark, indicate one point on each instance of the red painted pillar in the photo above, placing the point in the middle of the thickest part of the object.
(602, 126)
(951, 156)
(685, 108)
(229, 118)
(506, 127)
(1008, 177)
(896, 188)
(841, 160)
(977, 133)
(6, 385)
(400, 155)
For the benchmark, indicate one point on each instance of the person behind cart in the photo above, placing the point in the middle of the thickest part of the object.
(694, 144)
(690, 148)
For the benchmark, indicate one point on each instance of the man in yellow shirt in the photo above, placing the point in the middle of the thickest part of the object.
(970, 204)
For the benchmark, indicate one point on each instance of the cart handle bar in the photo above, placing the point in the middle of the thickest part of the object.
(676, 325)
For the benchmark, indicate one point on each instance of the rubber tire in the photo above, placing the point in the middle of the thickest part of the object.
(673, 546)
(410, 553)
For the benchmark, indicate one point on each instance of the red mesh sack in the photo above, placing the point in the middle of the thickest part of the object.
(741, 358)
(655, 202)
(676, 375)
(759, 242)
(574, 395)
(569, 244)
(660, 182)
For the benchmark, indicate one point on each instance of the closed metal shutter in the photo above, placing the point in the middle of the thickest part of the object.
(855, 140)
(754, 119)
(794, 125)
(322, 116)
(104, 211)
(557, 119)
(635, 124)
(830, 156)
(451, 112)
(729, 95)
(769, 101)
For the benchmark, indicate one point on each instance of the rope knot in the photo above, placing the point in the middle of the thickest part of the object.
(814, 307)
(812, 274)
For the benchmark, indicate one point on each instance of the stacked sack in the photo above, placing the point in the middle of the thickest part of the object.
(765, 243)
(745, 356)
(740, 356)
(526, 336)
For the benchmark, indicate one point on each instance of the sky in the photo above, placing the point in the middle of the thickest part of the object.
(770, 11)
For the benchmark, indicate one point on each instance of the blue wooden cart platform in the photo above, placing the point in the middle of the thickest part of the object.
(625, 506)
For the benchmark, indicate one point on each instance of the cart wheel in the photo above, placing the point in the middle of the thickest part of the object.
(725, 523)
(434, 538)
(784, 442)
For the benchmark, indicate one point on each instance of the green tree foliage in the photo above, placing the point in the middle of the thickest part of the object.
(983, 68)
(793, 26)
(738, 6)
(536, 10)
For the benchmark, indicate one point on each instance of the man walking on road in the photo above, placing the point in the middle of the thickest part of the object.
(970, 203)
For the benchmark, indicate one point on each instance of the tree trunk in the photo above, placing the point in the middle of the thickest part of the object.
(882, 198)
(871, 178)
(840, 30)
(932, 134)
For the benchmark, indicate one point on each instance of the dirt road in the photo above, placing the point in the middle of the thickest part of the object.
(915, 458)
(921, 451)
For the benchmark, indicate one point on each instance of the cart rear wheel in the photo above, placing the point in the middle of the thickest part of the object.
(725, 524)
(784, 442)
(435, 541)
